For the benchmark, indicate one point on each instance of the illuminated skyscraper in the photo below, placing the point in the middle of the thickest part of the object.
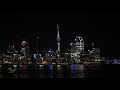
(25, 48)
(77, 47)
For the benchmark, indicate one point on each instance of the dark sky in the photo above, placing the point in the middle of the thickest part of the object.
(102, 28)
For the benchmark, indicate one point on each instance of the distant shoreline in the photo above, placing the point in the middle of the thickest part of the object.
(60, 64)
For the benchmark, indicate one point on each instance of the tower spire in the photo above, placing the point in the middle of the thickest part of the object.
(58, 38)
(58, 35)
(57, 27)
(92, 45)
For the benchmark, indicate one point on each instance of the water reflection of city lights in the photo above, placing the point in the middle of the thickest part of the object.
(51, 67)
(81, 67)
(58, 66)
(41, 65)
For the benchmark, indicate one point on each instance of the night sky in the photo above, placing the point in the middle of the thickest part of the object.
(102, 28)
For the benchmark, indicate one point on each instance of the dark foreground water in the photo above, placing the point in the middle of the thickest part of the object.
(58, 71)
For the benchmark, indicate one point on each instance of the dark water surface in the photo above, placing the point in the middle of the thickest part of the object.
(58, 71)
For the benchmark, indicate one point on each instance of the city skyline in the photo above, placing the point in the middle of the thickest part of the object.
(93, 27)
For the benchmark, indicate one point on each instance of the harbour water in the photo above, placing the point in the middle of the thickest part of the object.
(58, 71)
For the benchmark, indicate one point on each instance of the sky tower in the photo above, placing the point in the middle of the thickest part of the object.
(58, 39)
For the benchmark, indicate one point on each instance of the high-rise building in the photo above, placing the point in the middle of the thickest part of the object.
(76, 48)
(79, 43)
(25, 48)
(95, 54)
